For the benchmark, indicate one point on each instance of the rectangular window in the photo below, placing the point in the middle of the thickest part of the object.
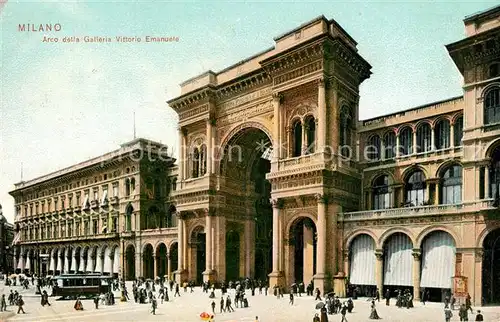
(115, 225)
(70, 229)
(96, 194)
(86, 229)
(78, 199)
(115, 189)
(481, 183)
(104, 200)
(77, 231)
(95, 226)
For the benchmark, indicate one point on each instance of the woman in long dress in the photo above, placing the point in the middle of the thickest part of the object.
(374, 314)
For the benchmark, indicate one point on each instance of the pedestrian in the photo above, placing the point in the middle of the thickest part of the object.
(447, 315)
(3, 304)
(96, 302)
(229, 308)
(20, 304)
(177, 290)
(222, 309)
(343, 311)
(291, 298)
(479, 316)
(463, 313)
(213, 306)
(153, 306)
(318, 295)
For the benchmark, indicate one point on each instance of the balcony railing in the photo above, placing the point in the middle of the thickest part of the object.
(418, 211)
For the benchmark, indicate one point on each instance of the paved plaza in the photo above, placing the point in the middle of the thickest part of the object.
(190, 305)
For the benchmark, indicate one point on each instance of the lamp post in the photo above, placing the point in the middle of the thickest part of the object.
(123, 298)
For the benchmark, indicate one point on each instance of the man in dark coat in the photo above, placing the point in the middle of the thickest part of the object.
(387, 297)
(479, 316)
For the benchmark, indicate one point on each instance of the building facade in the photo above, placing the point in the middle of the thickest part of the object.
(6, 238)
(111, 214)
(278, 178)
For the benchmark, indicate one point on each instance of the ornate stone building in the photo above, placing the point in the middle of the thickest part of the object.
(277, 177)
(111, 214)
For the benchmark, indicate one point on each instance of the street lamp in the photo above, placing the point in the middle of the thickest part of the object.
(123, 298)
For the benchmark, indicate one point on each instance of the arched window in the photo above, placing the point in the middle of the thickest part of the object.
(495, 174)
(494, 70)
(442, 133)
(196, 163)
(373, 148)
(492, 106)
(424, 138)
(381, 193)
(310, 134)
(132, 185)
(406, 141)
(451, 190)
(127, 187)
(415, 189)
(389, 145)
(345, 130)
(297, 138)
(458, 131)
(128, 218)
(157, 189)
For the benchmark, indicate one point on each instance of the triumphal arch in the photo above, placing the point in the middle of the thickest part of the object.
(261, 179)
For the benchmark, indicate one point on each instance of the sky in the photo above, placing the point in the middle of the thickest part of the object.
(63, 103)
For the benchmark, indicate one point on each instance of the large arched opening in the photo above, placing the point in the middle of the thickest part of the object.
(362, 261)
(130, 263)
(491, 268)
(198, 251)
(148, 261)
(174, 259)
(302, 250)
(398, 263)
(437, 265)
(161, 259)
(245, 163)
(232, 255)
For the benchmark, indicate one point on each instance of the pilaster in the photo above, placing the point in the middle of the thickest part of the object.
(417, 254)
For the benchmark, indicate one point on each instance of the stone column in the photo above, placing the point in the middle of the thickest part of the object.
(208, 273)
(416, 273)
(398, 153)
(321, 115)
(185, 167)
(156, 260)
(181, 274)
(304, 138)
(209, 155)
(276, 125)
(276, 276)
(319, 278)
(414, 137)
(169, 266)
(452, 135)
(437, 192)
(487, 186)
(379, 270)
(433, 139)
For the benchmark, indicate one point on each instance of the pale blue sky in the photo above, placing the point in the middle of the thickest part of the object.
(64, 103)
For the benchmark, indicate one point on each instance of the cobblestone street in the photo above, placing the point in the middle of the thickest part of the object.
(189, 306)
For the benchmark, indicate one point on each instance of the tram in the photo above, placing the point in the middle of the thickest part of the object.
(81, 285)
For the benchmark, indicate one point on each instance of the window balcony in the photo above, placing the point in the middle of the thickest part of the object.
(193, 184)
(418, 211)
(113, 200)
(94, 204)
